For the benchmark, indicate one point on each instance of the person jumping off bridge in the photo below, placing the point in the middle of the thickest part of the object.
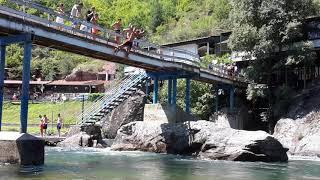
(117, 29)
(128, 43)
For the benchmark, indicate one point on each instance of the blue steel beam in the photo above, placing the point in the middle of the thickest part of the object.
(170, 75)
(188, 95)
(7, 40)
(174, 95)
(231, 99)
(170, 91)
(147, 87)
(25, 86)
(2, 69)
(217, 99)
(155, 90)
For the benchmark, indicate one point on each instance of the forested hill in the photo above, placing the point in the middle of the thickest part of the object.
(164, 20)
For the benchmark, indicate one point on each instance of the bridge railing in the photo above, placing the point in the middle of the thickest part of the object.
(107, 36)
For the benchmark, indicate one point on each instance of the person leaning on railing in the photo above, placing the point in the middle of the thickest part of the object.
(60, 11)
(76, 12)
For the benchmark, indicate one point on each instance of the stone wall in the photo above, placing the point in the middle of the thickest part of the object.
(165, 113)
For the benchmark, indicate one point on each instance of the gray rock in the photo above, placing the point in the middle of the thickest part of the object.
(75, 129)
(108, 142)
(201, 139)
(301, 136)
(78, 140)
(128, 111)
(89, 136)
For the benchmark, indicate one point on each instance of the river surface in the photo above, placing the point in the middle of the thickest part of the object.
(106, 164)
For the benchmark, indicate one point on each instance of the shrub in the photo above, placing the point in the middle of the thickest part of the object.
(95, 96)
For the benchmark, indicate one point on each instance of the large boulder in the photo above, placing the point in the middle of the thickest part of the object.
(301, 136)
(202, 139)
(300, 129)
(81, 139)
(129, 111)
(84, 136)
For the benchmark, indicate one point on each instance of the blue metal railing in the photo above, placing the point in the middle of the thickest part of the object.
(111, 96)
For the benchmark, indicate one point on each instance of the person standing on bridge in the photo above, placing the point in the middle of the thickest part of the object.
(117, 29)
(89, 16)
(59, 124)
(76, 12)
(94, 21)
(60, 11)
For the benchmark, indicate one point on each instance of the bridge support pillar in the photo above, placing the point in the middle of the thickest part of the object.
(174, 95)
(25, 86)
(147, 87)
(232, 99)
(2, 69)
(188, 95)
(21, 147)
(217, 99)
(170, 91)
(155, 90)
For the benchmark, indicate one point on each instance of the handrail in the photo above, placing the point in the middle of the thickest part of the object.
(102, 99)
(87, 110)
(115, 93)
(106, 101)
(31, 4)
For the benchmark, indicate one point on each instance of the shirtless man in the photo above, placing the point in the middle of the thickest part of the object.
(139, 35)
(128, 42)
(128, 30)
(117, 29)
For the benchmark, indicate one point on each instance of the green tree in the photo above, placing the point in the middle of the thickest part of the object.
(202, 99)
(266, 30)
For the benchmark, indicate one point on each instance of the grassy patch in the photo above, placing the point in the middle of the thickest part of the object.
(68, 110)
(36, 130)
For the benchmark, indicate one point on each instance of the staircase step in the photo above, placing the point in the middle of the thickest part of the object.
(128, 86)
(119, 99)
(128, 93)
(114, 104)
(105, 111)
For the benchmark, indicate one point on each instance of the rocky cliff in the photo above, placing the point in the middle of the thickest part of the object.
(300, 130)
(201, 139)
(128, 111)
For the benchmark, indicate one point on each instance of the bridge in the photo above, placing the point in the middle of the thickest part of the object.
(21, 27)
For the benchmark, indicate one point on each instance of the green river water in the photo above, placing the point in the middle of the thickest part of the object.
(106, 164)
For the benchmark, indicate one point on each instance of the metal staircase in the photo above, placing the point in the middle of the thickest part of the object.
(112, 98)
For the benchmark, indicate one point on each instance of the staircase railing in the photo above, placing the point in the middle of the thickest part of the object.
(110, 96)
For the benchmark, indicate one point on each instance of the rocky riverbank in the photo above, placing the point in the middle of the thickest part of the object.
(201, 139)
(300, 130)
